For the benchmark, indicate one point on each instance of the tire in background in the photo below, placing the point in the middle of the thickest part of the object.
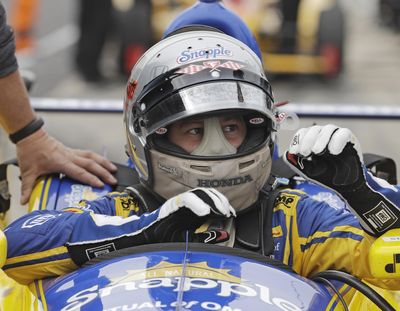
(331, 39)
(133, 26)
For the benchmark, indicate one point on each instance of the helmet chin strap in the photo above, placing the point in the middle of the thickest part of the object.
(214, 141)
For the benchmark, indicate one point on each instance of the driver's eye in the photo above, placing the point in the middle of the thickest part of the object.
(196, 131)
(230, 128)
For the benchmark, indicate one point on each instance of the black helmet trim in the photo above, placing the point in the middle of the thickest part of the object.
(174, 80)
(164, 86)
(195, 100)
(171, 81)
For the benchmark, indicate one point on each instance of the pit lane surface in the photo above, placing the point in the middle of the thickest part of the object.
(371, 77)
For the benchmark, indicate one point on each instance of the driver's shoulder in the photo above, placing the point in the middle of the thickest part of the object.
(300, 203)
(288, 198)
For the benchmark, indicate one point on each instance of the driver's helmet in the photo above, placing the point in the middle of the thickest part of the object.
(199, 113)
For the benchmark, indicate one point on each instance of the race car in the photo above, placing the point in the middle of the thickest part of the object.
(295, 36)
(178, 276)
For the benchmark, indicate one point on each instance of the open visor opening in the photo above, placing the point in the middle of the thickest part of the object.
(220, 108)
(218, 135)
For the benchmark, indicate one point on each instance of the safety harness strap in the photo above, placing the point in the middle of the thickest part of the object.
(147, 199)
(258, 217)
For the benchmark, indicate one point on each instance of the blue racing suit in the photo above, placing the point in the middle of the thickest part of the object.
(308, 235)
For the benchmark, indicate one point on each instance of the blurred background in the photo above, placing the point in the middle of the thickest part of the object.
(323, 52)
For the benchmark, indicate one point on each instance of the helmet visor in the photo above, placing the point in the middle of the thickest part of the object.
(207, 98)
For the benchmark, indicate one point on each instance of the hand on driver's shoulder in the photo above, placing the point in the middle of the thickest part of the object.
(200, 201)
(40, 154)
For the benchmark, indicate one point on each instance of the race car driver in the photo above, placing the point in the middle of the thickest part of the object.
(200, 124)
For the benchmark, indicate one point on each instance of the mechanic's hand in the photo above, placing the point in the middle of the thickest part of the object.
(328, 155)
(331, 156)
(40, 154)
(187, 211)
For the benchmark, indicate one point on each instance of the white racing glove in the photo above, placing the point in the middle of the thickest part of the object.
(186, 212)
(331, 156)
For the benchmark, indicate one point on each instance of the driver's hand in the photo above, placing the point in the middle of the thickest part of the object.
(328, 155)
(331, 156)
(40, 154)
(184, 213)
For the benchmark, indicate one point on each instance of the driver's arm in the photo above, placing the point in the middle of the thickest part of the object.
(317, 237)
(52, 243)
(38, 248)
(113, 204)
(332, 156)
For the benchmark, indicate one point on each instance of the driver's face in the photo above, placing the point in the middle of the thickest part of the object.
(188, 134)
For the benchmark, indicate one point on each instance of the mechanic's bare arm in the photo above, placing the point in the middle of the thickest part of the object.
(15, 110)
(39, 153)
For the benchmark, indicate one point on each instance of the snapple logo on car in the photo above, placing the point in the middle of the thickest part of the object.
(215, 289)
(206, 53)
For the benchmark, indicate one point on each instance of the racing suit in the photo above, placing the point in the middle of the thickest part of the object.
(308, 235)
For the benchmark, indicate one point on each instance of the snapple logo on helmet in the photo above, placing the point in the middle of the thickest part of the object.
(206, 53)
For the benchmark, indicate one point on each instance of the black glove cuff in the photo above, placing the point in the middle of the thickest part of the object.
(27, 130)
(377, 213)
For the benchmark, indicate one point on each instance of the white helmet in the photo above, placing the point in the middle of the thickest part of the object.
(204, 75)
